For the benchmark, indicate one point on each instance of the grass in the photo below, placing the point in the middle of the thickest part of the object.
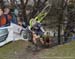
(16, 50)
(8, 51)
(66, 51)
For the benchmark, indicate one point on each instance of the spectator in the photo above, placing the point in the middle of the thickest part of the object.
(1, 13)
(7, 16)
(15, 16)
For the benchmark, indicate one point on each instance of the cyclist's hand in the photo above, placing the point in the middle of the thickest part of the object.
(44, 33)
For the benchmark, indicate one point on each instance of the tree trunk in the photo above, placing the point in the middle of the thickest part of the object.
(60, 18)
(1, 3)
(23, 5)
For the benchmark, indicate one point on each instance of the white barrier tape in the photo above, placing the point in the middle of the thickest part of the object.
(12, 36)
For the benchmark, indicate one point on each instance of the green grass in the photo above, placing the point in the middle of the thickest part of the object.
(8, 51)
(66, 51)
(16, 50)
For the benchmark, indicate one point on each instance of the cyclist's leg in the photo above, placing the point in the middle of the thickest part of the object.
(40, 33)
(35, 38)
(42, 41)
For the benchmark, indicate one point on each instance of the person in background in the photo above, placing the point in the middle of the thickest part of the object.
(15, 16)
(19, 21)
(1, 20)
(1, 12)
(7, 16)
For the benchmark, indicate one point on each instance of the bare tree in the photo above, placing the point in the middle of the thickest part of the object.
(1, 3)
(23, 6)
